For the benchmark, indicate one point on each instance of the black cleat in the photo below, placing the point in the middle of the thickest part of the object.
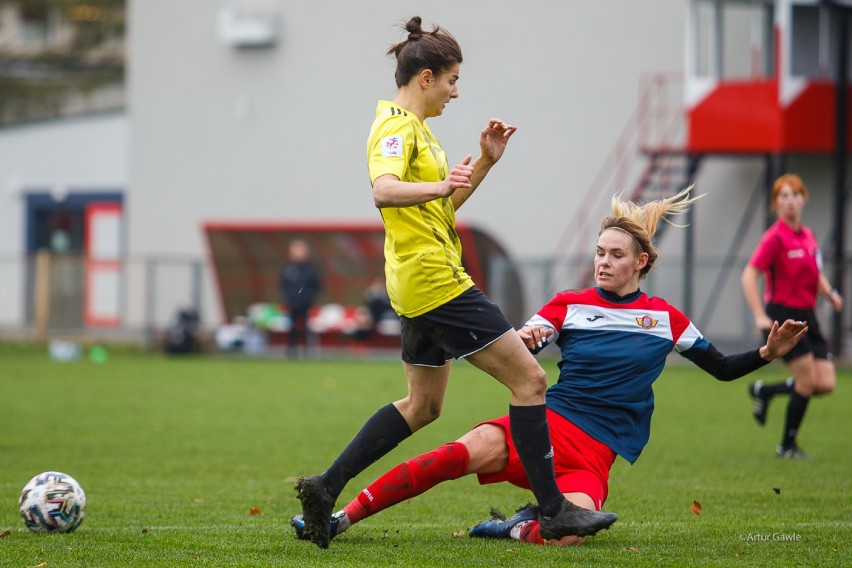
(759, 402)
(792, 453)
(317, 506)
(335, 528)
(574, 521)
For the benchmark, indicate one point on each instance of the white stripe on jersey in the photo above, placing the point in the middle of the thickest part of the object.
(588, 317)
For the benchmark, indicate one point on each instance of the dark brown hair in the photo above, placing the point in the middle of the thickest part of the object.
(437, 51)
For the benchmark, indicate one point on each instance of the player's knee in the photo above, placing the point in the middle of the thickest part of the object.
(528, 382)
(537, 381)
(423, 413)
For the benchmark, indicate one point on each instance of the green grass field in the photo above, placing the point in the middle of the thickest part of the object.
(174, 453)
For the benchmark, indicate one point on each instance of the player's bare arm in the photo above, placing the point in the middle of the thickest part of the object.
(534, 337)
(492, 143)
(751, 292)
(832, 295)
(390, 191)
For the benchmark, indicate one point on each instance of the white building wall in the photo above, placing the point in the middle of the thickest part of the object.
(278, 134)
(80, 154)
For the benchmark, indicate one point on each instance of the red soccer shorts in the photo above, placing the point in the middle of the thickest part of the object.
(581, 463)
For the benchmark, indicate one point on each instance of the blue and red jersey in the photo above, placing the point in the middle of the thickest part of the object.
(613, 349)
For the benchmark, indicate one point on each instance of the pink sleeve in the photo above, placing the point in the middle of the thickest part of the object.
(764, 255)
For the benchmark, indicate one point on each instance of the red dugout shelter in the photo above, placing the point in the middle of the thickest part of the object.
(247, 258)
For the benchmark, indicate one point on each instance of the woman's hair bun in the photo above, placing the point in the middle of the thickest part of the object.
(413, 27)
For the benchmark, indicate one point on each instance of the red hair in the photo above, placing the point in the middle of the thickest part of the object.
(795, 183)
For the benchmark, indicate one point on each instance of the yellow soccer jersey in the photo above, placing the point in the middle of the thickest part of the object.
(423, 252)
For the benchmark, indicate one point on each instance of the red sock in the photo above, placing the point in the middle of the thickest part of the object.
(531, 532)
(410, 479)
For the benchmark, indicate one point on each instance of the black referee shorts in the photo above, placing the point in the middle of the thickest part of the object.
(812, 342)
(464, 325)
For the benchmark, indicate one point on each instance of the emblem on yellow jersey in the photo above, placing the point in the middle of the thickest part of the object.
(647, 322)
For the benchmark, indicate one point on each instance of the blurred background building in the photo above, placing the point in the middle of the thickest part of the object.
(129, 129)
(60, 58)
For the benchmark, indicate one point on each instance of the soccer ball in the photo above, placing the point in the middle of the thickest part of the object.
(52, 502)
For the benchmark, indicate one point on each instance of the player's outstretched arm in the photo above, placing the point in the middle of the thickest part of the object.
(783, 338)
(730, 367)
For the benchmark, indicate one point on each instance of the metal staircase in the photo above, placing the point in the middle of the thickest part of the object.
(647, 162)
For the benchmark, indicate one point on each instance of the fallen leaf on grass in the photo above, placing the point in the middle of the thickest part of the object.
(198, 500)
(460, 533)
(254, 511)
(42, 565)
(777, 490)
(5, 533)
(144, 531)
(695, 508)
(631, 548)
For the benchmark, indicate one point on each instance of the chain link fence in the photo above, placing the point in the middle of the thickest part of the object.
(152, 289)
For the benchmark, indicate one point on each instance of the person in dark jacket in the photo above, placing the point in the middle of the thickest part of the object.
(300, 284)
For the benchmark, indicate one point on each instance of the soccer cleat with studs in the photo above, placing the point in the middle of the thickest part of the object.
(573, 520)
(792, 453)
(335, 526)
(498, 526)
(317, 506)
(759, 402)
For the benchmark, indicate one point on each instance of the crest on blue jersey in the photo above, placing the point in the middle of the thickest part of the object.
(647, 322)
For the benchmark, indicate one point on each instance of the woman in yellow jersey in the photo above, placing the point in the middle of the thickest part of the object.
(444, 316)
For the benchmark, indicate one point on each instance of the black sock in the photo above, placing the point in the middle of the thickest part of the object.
(381, 433)
(795, 413)
(784, 387)
(532, 441)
